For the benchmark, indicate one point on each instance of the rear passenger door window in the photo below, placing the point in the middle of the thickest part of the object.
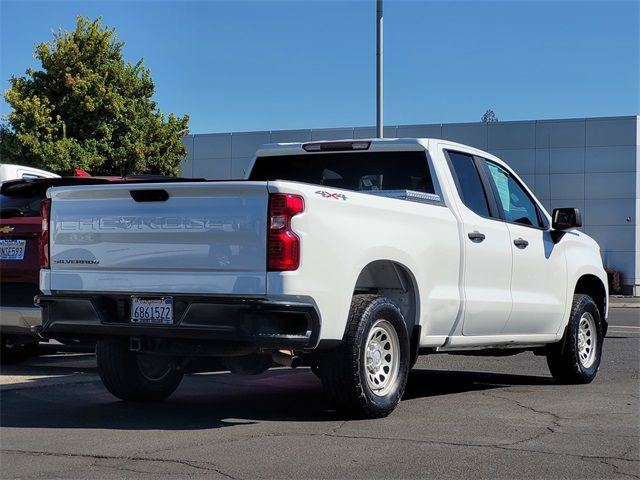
(469, 183)
(516, 204)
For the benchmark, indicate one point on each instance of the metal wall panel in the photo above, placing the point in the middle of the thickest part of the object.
(560, 133)
(510, 135)
(566, 160)
(542, 160)
(245, 144)
(371, 132)
(619, 238)
(216, 145)
(522, 161)
(212, 168)
(610, 131)
(611, 159)
(474, 134)
(331, 133)
(287, 136)
(419, 131)
(611, 185)
(567, 185)
(542, 186)
(609, 211)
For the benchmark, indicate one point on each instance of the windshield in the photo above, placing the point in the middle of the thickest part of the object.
(361, 171)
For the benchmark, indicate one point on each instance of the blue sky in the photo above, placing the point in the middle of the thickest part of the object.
(269, 65)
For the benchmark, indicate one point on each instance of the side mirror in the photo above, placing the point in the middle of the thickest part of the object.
(566, 218)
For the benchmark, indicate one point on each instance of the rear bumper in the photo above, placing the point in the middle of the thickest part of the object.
(19, 320)
(244, 322)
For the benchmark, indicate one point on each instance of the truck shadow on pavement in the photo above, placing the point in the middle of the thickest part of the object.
(212, 401)
(430, 383)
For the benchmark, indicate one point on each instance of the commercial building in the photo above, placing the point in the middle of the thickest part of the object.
(589, 163)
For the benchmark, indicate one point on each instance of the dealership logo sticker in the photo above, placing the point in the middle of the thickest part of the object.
(337, 196)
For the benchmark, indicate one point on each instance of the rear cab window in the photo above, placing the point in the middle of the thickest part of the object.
(362, 171)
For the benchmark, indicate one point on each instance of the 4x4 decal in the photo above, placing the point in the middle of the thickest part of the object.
(337, 196)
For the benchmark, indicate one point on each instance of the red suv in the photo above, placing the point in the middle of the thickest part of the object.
(20, 226)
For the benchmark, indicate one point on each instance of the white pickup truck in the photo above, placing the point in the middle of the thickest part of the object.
(352, 257)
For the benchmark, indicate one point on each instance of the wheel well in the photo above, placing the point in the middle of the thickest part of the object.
(394, 281)
(592, 286)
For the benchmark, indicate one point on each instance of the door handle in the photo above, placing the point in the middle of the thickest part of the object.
(521, 243)
(476, 236)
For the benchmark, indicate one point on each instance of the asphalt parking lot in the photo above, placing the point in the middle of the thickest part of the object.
(462, 417)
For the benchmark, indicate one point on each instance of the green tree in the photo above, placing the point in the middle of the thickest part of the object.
(89, 108)
(489, 117)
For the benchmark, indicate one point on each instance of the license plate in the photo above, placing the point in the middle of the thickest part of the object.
(12, 249)
(152, 310)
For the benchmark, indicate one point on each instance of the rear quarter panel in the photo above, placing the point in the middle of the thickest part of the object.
(340, 237)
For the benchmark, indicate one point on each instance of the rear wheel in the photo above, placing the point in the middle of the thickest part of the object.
(366, 376)
(576, 358)
(135, 376)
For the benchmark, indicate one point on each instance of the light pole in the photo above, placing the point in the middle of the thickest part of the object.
(379, 51)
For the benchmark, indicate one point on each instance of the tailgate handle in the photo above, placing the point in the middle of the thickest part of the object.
(149, 195)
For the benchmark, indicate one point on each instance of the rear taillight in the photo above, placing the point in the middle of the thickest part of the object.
(283, 245)
(43, 244)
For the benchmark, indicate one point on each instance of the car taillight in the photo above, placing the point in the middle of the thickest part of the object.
(283, 245)
(43, 244)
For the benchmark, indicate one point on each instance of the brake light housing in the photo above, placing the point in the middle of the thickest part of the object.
(283, 244)
(340, 146)
(43, 244)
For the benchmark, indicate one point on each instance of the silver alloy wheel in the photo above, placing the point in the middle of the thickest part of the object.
(382, 357)
(153, 368)
(587, 340)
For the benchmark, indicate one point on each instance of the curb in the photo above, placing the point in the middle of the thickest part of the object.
(623, 305)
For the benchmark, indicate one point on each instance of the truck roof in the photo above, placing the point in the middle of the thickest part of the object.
(362, 144)
(365, 145)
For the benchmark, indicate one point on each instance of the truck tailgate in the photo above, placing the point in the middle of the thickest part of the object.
(197, 238)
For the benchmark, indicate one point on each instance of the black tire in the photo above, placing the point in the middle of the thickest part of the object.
(345, 376)
(315, 368)
(131, 376)
(15, 352)
(575, 360)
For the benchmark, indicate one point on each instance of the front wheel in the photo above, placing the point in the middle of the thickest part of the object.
(366, 376)
(134, 376)
(576, 358)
